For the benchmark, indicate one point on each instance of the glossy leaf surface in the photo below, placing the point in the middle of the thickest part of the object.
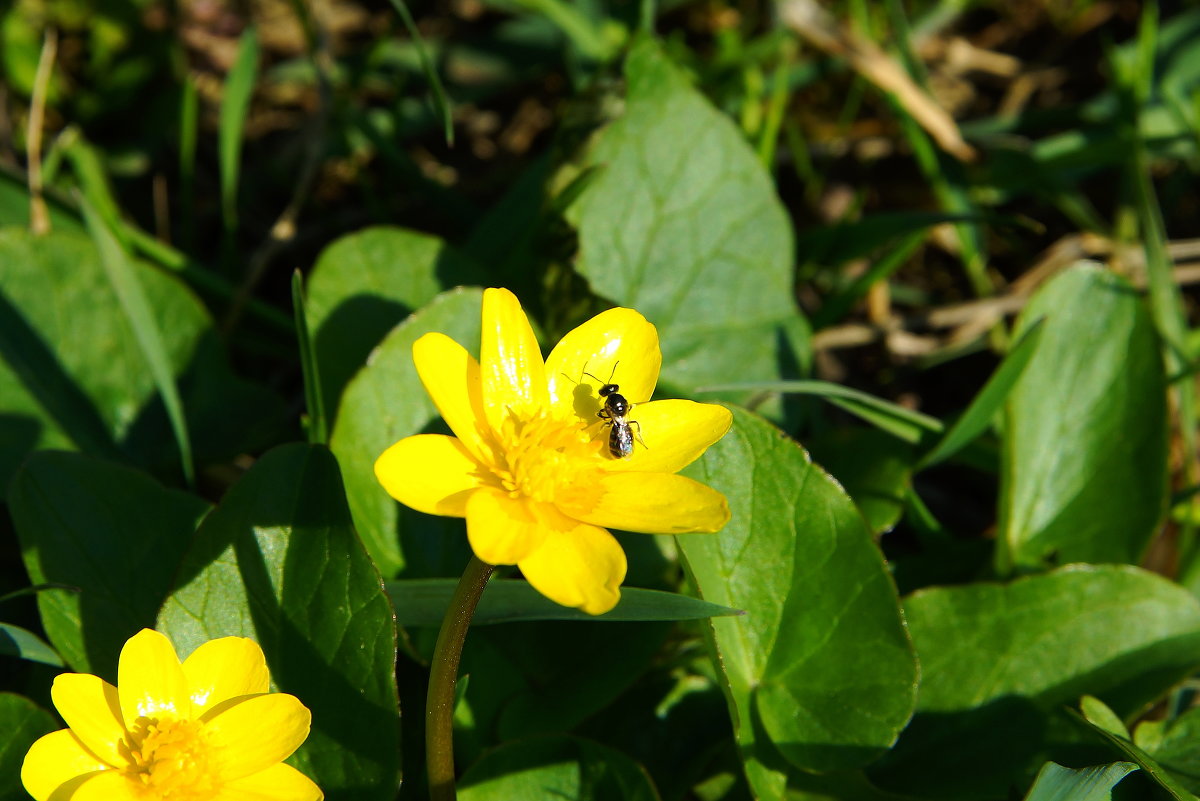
(998, 660)
(692, 237)
(820, 664)
(278, 561)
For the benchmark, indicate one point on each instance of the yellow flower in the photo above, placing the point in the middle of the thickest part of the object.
(206, 730)
(530, 468)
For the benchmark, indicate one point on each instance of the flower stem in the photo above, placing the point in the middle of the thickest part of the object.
(443, 676)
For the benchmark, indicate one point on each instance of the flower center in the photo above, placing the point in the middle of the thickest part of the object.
(171, 760)
(540, 454)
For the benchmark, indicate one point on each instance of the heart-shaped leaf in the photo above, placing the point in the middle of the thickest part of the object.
(278, 561)
(820, 663)
(693, 236)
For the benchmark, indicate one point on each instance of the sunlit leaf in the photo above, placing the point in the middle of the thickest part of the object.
(1084, 473)
(999, 660)
(683, 224)
(820, 665)
(278, 561)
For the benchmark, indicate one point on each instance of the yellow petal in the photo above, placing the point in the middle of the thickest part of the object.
(452, 379)
(150, 680)
(617, 346)
(653, 503)
(277, 783)
(257, 732)
(55, 759)
(510, 361)
(225, 668)
(674, 433)
(432, 473)
(502, 530)
(107, 785)
(92, 708)
(577, 565)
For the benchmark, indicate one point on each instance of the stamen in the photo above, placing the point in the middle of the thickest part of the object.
(171, 760)
(540, 455)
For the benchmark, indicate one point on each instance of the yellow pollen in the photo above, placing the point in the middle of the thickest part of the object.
(171, 760)
(540, 454)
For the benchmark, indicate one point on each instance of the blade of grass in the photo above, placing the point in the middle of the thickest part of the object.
(840, 304)
(94, 184)
(946, 175)
(983, 408)
(1166, 301)
(776, 105)
(318, 430)
(905, 424)
(235, 105)
(189, 118)
(440, 99)
(145, 330)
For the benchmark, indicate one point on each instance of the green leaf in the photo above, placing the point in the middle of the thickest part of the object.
(553, 769)
(114, 535)
(998, 659)
(1056, 783)
(837, 689)
(384, 403)
(423, 602)
(692, 237)
(1174, 745)
(988, 403)
(874, 467)
(1084, 473)
(235, 105)
(1154, 770)
(146, 331)
(22, 722)
(24, 644)
(364, 284)
(278, 561)
(1100, 714)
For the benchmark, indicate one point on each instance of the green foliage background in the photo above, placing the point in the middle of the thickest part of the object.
(962, 563)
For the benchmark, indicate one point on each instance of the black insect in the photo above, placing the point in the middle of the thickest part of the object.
(614, 413)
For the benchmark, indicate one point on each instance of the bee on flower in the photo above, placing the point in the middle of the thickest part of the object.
(530, 466)
(204, 730)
